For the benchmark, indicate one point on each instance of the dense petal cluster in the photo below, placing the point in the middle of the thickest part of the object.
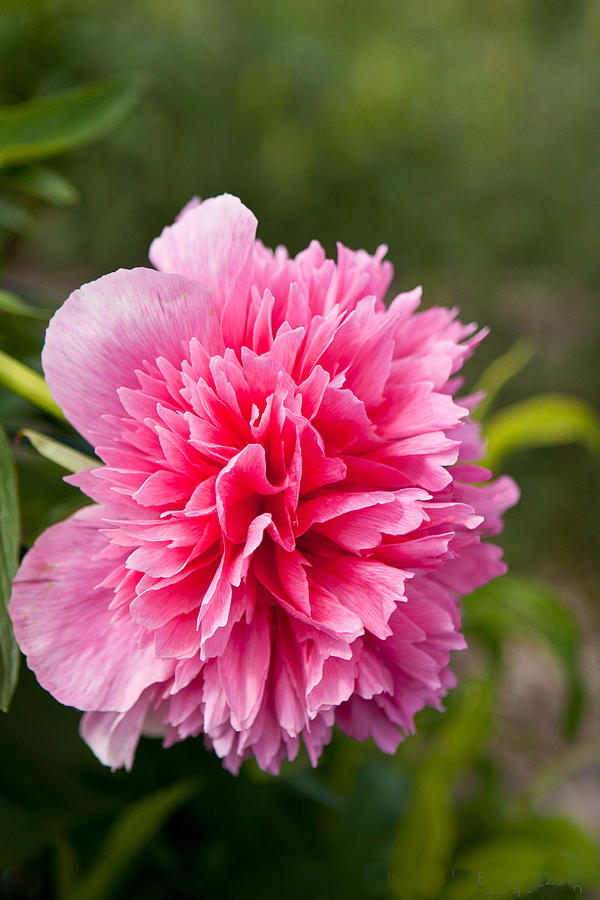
(287, 512)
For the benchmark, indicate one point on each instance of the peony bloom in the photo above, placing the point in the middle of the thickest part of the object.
(288, 512)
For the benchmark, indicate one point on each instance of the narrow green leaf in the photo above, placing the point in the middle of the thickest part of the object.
(515, 604)
(132, 831)
(542, 420)
(499, 372)
(42, 127)
(23, 381)
(10, 303)
(424, 841)
(9, 559)
(66, 457)
(43, 183)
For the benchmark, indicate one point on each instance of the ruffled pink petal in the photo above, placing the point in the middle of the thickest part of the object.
(290, 506)
(243, 668)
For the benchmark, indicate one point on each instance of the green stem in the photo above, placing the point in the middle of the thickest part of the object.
(22, 380)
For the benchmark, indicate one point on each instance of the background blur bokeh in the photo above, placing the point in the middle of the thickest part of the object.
(465, 135)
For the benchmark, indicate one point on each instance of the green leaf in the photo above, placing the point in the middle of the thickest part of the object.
(542, 420)
(424, 841)
(43, 183)
(66, 457)
(23, 381)
(465, 728)
(13, 217)
(48, 125)
(500, 372)
(9, 559)
(132, 831)
(515, 604)
(532, 853)
(10, 303)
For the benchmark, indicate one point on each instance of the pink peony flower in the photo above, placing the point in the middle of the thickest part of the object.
(287, 514)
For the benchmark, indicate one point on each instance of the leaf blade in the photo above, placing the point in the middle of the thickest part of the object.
(542, 420)
(43, 183)
(63, 121)
(499, 372)
(9, 559)
(23, 381)
(135, 827)
(10, 303)
(66, 457)
(425, 838)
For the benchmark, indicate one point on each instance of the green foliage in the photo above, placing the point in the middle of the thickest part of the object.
(499, 372)
(531, 853)
(46, 126)
(10, 303)
(425, 838)
(9, 557)
(540, 421)
(133, 830)
(19, 378)
(66, 457)
(40, 182)
(518, 606)
(13, 217)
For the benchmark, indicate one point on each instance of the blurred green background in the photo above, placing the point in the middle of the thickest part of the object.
(465, 135)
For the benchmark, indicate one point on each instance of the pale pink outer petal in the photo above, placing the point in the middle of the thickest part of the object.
(63, 625)
(108, 328)
(211, 243)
